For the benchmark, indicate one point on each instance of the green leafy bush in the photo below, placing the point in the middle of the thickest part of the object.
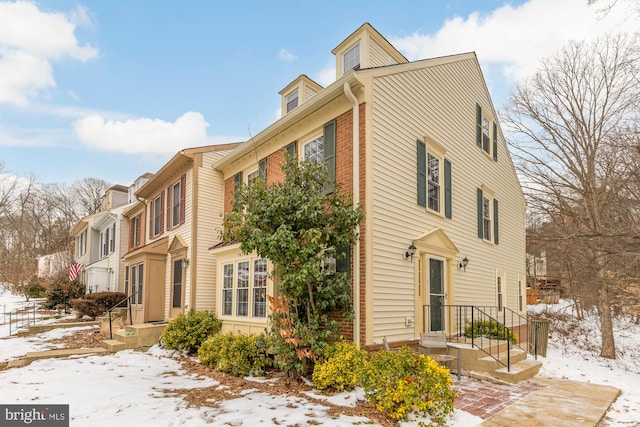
(490, 329)
(343, 368)
(236, 354)
(188, 332)
(403, 383)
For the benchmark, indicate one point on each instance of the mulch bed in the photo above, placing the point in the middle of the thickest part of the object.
(235, 386)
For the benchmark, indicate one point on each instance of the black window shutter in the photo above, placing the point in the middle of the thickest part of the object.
(495, 221)
(262, 169)
(330, 154)
(291, 149)
(495, 141)
(478, 125)
(422, 173)
(237, 182)
(447, 189)
(480, 219)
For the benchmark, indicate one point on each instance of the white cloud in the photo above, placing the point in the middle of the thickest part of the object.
(30, 40)
(142, 135)
(11, 136)
(327, 75)
(516, 38)
(286, 56)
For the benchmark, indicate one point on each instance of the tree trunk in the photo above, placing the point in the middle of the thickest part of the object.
(606, 322)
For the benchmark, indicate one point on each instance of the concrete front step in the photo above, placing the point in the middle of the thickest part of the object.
(136, 336)
(521, 371)
(36, 329)
(489, 363)
(49, 354)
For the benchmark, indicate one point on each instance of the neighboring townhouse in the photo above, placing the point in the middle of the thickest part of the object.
(48, 266)
(419, 146)
(178, 215)
(97, 239)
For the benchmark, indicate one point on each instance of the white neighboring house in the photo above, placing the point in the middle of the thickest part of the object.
(98, 242)
(47, 266)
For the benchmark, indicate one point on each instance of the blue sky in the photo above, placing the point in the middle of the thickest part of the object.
(113, 89)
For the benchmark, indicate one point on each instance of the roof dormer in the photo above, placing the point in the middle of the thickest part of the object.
(365, 48)
(297, 92)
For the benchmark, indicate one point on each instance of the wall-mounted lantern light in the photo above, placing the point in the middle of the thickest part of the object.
(462, 265)
(411, 251)
(185, 263)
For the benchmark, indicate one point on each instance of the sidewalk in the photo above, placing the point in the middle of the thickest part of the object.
(535, 403)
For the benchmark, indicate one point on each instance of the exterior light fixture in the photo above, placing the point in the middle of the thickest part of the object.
(462, 265)
(411, 251)
(185, 263)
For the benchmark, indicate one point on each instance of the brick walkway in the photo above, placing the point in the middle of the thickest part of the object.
(485, 399)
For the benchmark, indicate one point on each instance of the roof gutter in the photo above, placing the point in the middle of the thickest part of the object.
(356, 200)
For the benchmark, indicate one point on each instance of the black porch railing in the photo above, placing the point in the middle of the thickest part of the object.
(20, 318)
(486, 328)
(129, 301)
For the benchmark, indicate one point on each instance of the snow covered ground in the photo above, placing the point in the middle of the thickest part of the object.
(132, 388)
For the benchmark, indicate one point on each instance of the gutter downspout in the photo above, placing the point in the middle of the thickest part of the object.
(356, 200)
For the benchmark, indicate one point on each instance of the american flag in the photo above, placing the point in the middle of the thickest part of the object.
(74, 269)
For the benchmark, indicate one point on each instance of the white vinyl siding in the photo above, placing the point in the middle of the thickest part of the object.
(438, 101)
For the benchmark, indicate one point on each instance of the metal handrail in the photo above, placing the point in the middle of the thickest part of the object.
(459, 317)
(129, 300)
(19, 315)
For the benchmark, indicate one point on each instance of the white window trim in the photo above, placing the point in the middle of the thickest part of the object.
(347, 52)
(488, 194)
(250, 316)
(312, 140)
(501, 291)
(485, 113)
(252, 175)
(289, 98)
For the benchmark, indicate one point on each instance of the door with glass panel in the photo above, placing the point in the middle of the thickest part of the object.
(436, 295)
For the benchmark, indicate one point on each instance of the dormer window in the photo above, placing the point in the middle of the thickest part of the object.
(351, 59)
(292, 100)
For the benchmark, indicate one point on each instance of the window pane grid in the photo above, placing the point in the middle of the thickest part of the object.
(485, 134)
(176, 205)
(242, 305)
(433, 173)
(260, 288)
(227, 290)
(486, 218)
(314, 150)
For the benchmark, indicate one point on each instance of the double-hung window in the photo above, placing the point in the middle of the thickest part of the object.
(244, 289)
(486, 132)
(488, 227)
(292, 100)
(434, 178)
(259, 287)
(157, 215)
(433, 184)
(227, 289)
(252, 178)
(351, 59)
(175, 198)
(314, 149)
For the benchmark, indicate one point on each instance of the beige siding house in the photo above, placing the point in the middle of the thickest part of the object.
(178, 216)
(419, 146)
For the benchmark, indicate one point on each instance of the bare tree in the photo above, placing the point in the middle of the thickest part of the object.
(575, 129)
(87, 195)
